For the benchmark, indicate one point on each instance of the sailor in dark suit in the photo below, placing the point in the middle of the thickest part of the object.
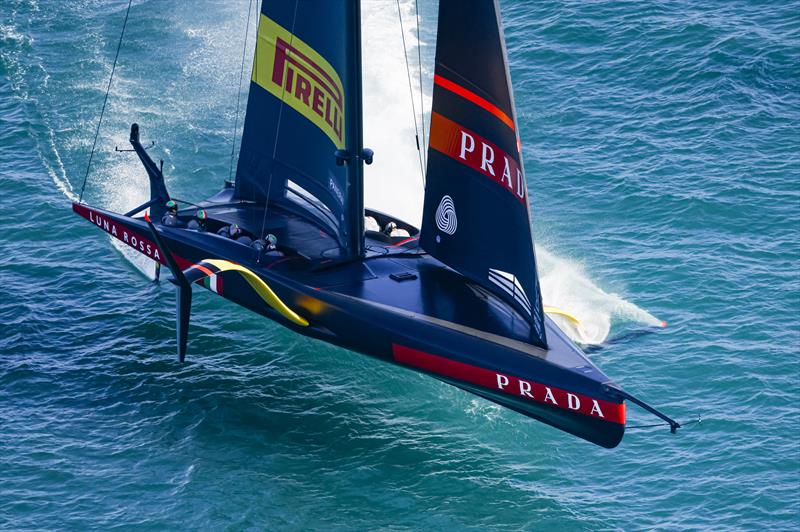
(170, 218)
(234, 232)
(199, 222)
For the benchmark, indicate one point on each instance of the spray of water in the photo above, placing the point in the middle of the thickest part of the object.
(566, 286)
(124, 186)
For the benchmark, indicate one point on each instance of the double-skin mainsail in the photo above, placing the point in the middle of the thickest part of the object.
(304, 109)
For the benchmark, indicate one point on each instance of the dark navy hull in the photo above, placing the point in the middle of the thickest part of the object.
(405, 307)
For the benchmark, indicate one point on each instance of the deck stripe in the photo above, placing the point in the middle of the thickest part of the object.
(203, 269)
(406, 241)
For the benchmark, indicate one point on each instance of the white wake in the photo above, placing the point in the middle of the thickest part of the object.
(394, 185)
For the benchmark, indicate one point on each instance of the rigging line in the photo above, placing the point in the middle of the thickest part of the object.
(254, 74)
(421, 103)
(411, 92)
(239, 93)
(277, 131)
(105, 100)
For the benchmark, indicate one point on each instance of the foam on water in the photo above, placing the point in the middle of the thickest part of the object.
(566, 286)
(18, 43)
(51, 159)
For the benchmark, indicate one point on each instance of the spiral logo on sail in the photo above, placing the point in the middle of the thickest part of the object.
(446, 219)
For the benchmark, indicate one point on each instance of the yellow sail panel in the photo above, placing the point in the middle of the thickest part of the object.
(296, 74)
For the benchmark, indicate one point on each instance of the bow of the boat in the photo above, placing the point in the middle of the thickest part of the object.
(577, 399)
(558, 386)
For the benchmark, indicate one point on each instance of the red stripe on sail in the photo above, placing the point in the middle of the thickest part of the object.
(511, 385)
(477, 153)
(474, 98)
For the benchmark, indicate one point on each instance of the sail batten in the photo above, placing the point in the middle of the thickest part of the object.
(476, 217)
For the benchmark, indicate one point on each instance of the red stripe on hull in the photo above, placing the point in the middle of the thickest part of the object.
(511, 385)
(203, 269)
(140, 243)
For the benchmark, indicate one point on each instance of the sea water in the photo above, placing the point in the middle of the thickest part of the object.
(661, 145)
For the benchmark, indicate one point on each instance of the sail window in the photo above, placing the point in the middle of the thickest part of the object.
(305, 199)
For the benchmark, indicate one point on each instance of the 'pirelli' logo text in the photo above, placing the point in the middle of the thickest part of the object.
(296, 74)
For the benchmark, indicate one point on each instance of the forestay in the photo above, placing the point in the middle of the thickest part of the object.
(476, 217)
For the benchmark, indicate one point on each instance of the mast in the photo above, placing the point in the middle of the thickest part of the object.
(354, 142)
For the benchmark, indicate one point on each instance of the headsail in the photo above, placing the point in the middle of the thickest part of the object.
(300, 112)
(476, 217)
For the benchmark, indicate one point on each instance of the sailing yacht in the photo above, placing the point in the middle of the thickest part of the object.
(457, 298)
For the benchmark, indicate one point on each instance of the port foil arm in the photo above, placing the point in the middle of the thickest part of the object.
(158, 188)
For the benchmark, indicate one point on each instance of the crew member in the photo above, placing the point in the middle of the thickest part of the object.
(225, 231)
(200, 221)
(234, 232)
(393, 230)
(171, 219)
(390, 227)
(266, 244)
(371, 224)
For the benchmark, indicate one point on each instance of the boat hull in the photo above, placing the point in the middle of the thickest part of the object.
(559, 386)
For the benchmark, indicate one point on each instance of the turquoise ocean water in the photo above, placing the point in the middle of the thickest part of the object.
(662, 146)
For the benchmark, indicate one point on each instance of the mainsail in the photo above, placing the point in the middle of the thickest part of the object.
(303, 107)
(476, 217)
